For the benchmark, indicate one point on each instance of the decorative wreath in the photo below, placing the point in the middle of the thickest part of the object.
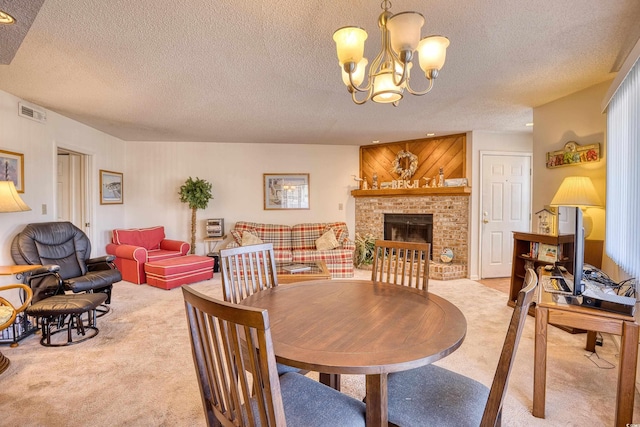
(397, 164)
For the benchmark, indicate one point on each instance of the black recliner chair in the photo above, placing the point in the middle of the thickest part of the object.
(65, 245)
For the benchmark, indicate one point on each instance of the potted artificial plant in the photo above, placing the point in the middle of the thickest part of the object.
(365, 249)
(197, 194)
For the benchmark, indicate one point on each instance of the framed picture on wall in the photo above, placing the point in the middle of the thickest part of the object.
(286, 191)
(110, 188)
(12, 168)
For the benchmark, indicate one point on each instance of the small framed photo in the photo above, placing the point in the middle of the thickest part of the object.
(110, 188)
(286, 191)
(548, 253)
(12, 168)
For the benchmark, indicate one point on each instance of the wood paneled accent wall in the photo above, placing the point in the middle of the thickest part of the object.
(448, 152)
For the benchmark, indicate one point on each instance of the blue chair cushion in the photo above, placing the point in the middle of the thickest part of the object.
(434, 396)
(309, 403)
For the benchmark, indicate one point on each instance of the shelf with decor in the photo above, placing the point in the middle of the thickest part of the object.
(456, 191)
(525, 254)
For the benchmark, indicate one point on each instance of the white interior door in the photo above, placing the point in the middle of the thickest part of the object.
(505, 208)
(63, 205)
(73, 186)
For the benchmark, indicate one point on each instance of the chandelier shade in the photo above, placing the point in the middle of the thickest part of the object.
(405, 30)
(350, 44)
(432, 52)
(389, 73)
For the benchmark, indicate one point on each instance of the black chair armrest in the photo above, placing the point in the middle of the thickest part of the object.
(101, 259)
(101, 263)
(44, 270)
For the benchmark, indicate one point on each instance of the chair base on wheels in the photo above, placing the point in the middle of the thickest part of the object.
(64, 313)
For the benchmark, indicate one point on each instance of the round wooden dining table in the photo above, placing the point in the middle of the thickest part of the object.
(360, 327)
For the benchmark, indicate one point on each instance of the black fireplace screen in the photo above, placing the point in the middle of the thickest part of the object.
(409, 228)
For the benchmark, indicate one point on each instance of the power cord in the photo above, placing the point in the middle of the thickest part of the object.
(595, 275)
(600, 363)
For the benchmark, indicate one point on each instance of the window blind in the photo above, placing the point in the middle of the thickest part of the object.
(623, 174)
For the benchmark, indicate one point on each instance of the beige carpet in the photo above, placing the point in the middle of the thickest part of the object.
(138, 370)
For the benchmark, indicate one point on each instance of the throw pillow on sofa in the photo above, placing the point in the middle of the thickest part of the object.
(249, 238)
(340, 234)
(327, 241)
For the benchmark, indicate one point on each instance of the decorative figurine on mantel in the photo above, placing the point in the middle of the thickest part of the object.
(374, 183)
(426, 182)
(365, 184)
(441, 177)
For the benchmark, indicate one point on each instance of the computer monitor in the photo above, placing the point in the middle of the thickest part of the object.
(574, 225)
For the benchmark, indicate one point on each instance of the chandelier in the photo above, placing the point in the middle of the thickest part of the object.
(389, 72)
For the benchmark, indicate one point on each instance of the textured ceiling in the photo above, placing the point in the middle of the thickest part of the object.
(256, 71)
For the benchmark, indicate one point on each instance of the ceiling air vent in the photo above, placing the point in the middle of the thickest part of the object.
(32, 113)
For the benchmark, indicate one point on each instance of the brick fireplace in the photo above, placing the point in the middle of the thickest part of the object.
(450, 210)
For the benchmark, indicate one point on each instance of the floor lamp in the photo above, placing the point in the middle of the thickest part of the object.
(580, 192)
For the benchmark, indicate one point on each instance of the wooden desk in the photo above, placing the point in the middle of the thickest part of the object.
(358, 327)
(549, 311)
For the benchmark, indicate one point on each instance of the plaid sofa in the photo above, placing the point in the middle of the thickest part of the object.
(298, 243)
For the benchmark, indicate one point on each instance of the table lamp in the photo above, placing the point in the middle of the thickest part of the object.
(580, 192)
(10, 200)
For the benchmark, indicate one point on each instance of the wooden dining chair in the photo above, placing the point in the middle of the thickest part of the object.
(431, 395)
(247, 270)
(401, 263)
(242, 387)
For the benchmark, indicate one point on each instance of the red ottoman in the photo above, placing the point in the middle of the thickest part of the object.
(173, 272)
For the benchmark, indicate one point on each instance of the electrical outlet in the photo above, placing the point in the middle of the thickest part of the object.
(340, 206)
(44, 209)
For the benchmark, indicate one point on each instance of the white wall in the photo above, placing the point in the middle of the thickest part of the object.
(38, 142)
(478, 141)
(577, 117)
(155, 171)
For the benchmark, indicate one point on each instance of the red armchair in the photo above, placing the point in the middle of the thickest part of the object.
(137, 246)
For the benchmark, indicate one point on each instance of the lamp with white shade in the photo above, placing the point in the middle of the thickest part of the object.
(578, 191)
(10, 200)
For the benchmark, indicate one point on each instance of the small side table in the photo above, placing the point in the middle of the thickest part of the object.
(23, 330)
(211, 243)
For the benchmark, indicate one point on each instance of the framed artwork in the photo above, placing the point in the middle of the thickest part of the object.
(110, 188)
(286, 191)
(12, 169)
(573, 154)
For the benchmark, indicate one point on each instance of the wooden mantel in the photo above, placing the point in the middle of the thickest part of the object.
(391, 192)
